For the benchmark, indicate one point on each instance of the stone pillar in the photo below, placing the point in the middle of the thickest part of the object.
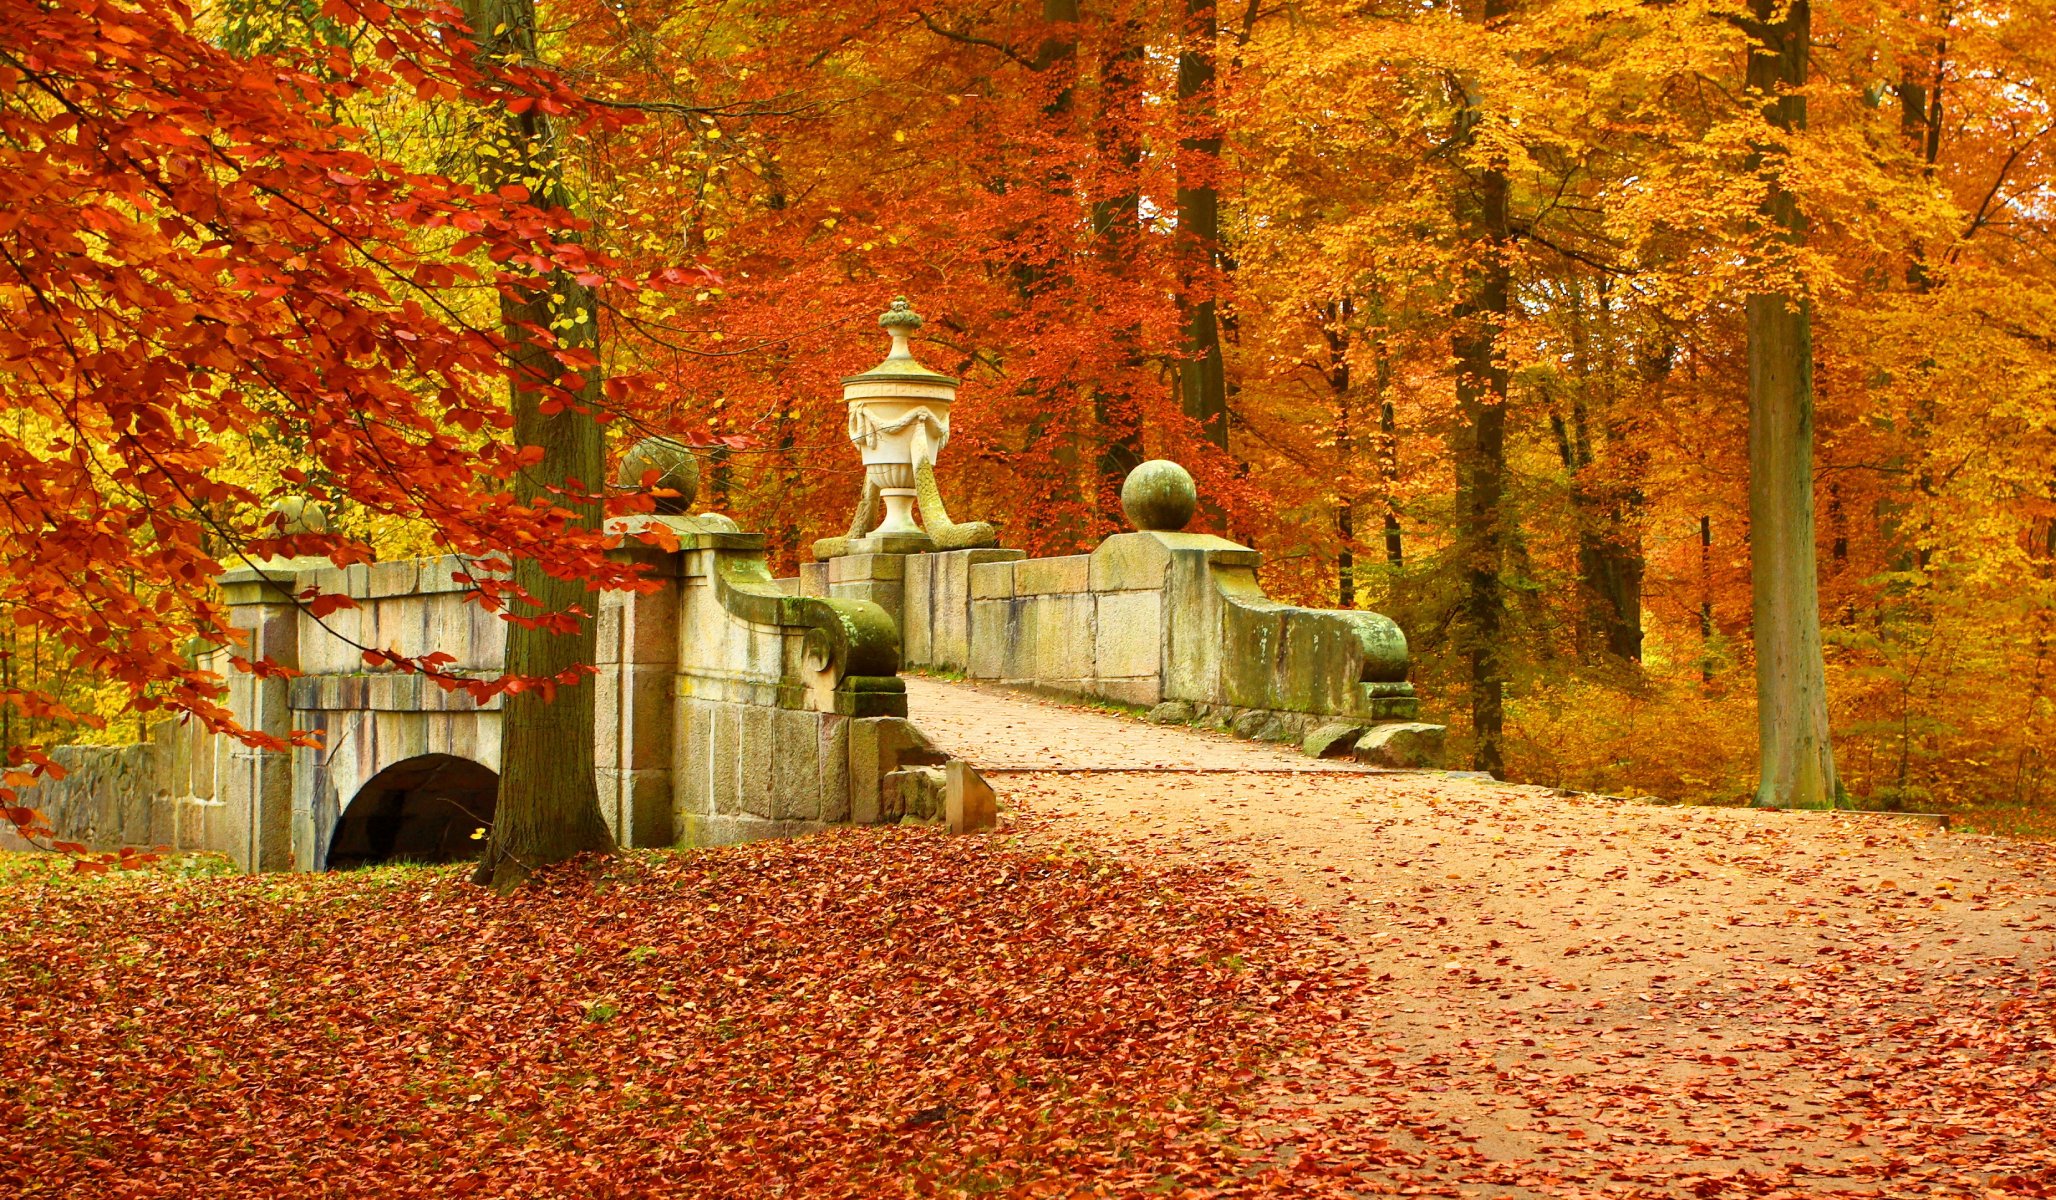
(256, 786)
(638, 661)
(879, 578)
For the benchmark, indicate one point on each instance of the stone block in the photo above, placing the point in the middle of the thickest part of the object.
(864, 568)
(917, 611)
(646, 719)
(796, 767)
(1046, 576)
(879, 746)
(608, 637)
(992, 635)
(1135, 693)
(1129, 562)
(649, 809)
(888, 594)
(865, 741)
(937, 624)
(400, 578)
(1057, 641)
(692, 766)
(724, 761)
(912, 793)
(757, 751)
(814, 578)
(993, 580)
(1405, 744)
(832, 759)
(1333, 740)
(969, 804)
(1173, 712)
(1128, 635)
(1260, 725)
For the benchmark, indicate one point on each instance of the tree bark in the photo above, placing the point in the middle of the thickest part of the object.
(1341, 385)
(1202, 382)
(549, 806)
(1608, 501)
(1481, 384)
(1797, 761)
(1117, 234)
(1388, 457)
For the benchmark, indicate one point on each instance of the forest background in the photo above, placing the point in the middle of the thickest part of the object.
(1255, 239)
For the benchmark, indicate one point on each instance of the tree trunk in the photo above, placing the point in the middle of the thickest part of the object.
(1117, 234)
(1388, 457)
(1797, 762)
(1341, 385)
(1201, 381)
(1608, 501)
(549, 806)
(1481, 451)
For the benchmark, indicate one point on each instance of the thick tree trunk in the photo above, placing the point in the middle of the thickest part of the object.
(1202, 385)
(1481, 381)
(1797, 762)
(549, 807)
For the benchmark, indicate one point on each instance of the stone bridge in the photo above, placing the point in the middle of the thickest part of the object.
(733, 705)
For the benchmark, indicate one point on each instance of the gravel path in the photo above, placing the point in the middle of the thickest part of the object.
(1579, 995)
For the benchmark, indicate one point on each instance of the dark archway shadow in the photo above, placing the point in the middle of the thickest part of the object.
(430, 809)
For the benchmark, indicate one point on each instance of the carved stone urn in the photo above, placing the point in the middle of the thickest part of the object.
(899, 423)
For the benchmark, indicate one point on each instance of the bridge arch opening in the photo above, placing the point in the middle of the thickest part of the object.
(434, 808)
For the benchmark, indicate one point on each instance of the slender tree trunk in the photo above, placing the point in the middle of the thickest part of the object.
(1388, 456)
(1797, 762)
(1117, 233)
(1607, 500)
(1705, 599)
(549, 807)
(1481, 383)
(1201, 381)
(1341, 385)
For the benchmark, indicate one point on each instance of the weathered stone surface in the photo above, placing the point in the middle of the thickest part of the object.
(1043, 576)
(992, 581)
(795, 770)
(1251, 723)
(666, 469)
(877, 747)
(1159, 494)
(1129, 562)
(1336, 740)
(968, 801)
(1128, 636)
(1407, 744)
(1173, 712)
(913, 793)
(935, 623)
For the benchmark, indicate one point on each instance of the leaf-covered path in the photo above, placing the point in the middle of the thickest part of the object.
(1185, 966)
(1578, 995)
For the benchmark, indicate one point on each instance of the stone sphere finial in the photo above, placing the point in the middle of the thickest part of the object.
(296, 515)
(678, 473)
(1159, 495)
(900, 318)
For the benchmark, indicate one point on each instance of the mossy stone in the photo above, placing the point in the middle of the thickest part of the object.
(677, 480)
(1159, 495)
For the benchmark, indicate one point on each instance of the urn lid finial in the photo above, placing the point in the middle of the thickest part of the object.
(900, 365)
(901, 316)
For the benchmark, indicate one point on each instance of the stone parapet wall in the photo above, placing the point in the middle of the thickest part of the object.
(160, 792)
(1146, 619)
